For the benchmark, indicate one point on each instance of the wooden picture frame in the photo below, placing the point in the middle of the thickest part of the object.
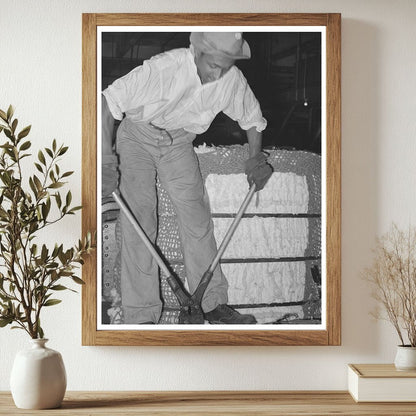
(330, 333)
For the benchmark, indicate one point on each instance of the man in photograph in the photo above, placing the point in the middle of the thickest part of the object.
(163, 105)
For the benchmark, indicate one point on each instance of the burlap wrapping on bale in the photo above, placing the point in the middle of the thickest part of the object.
(228, 160)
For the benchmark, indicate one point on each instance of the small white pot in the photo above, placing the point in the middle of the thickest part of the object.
(38, 377)
(405, 358)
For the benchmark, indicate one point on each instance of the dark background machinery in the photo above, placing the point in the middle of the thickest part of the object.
(284, 73)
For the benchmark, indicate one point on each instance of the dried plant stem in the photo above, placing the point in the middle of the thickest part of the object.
(393, 276)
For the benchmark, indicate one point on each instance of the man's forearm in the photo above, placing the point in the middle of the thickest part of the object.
(257, 169)
(255, 139)
(107, 122)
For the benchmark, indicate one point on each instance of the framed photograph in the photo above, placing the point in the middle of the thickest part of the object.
(211, 172)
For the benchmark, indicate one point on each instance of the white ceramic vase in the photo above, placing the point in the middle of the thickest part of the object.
(38, 377)
(405, 358)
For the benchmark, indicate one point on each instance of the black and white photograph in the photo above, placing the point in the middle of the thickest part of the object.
(212, 147)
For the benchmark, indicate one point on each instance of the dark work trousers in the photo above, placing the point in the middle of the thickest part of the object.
(145, 152)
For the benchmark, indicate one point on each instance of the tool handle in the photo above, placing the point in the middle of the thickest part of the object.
(232, 228)
(141, 233)
(181, 294)
(202, 286)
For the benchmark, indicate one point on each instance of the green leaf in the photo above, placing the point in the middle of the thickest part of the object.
(3, 115)
(33, 187)
(8, 133)
(63, 150)
(24, 132)
(34, 226)
(5, 321)
(41, 157)
(49, 152)
(56, 185)
(67, 174)
(58, 199)
(54, 145)
(25, 145)
(39, 167)
(34, 249)
(10, 112)
(6, 145)
(44, 253)
(40, 332)
(57, 250)
(45, 211)
(68, 199)
(77, 208)
(14, 125)
(4, 298)
(76, 279)
(51, 302)
(59, 287)
(62, 257)
(25, 155)
(37, 182)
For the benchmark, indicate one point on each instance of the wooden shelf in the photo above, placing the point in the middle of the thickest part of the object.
(268, 403)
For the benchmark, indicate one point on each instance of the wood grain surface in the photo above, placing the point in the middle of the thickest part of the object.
(380, 371)
(212, 403)
(333, 179)
(332, 334)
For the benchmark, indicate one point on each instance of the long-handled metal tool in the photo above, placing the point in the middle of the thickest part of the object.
(190, 305)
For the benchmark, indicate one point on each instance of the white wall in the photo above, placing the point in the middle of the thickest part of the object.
(40, 74)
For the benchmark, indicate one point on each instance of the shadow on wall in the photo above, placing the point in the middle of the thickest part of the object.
(360, 180)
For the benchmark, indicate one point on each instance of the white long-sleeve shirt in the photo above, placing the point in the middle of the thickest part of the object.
(166, 91)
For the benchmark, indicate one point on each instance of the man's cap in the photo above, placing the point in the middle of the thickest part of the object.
(227, 44)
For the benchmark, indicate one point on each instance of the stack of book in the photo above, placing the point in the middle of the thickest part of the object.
(381, 383)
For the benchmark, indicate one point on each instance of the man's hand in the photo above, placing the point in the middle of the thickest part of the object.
(258, 171)
(109, 175)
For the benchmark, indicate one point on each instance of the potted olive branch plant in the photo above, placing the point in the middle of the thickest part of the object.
(393, 278)
(30, 272)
